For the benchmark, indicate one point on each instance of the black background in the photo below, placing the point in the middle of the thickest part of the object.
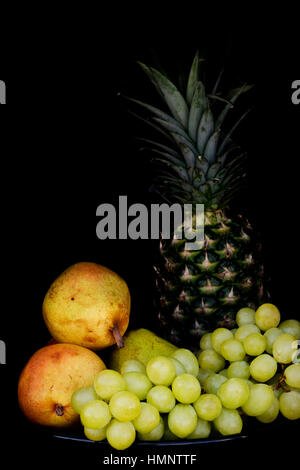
(68, 144)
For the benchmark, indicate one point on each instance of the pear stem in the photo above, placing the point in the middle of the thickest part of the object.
(118, 337)
(59, 409)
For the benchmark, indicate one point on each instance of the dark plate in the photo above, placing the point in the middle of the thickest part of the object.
(181, 442)
(252, 429)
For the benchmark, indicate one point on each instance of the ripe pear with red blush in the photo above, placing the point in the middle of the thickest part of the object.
(49, 379)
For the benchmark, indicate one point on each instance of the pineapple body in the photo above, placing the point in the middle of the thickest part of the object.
(203, 289)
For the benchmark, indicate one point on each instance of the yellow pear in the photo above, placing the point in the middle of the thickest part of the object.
(49, 379)
(88, 305)
(140, 344)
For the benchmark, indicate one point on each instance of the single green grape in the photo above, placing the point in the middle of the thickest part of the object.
(250, 382)
(161, 370)
(271, 413)
(267, 316)
(213, 382)
(210, 359)
(188, 359)
(240, 369)
(243, 331)
(81, 397)
(218, 337)
(260, 399)
(284, 348)
(228, 422)
(155, 435)
(234, 393)
(120, 435)
(182, 420)
(137, 383)
(168, 435)
(292, 327)
(224, 372)
(233, 350)
(179, 367)
(202, 430)
(208, 406)
(203, 374)
(271, 335)
(289, 405)
(292, 375)
(205, 342)
(133, 365)
(148, 418)
(255, 344)
(124, 406)
(186, 388)
(95, 414)
(162, 398)
(263, 368)
(245, 316)
(107, 382)
(95, 434)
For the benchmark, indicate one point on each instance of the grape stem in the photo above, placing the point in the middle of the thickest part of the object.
(280, 382)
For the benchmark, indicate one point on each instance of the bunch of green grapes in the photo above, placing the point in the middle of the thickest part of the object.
(150, 403)
(252, 370)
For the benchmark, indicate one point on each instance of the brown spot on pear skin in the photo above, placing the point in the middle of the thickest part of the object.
(90, 339)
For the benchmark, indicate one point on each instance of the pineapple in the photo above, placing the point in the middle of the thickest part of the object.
(199, 163)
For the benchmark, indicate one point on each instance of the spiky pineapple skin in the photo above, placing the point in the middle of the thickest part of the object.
(200, 290)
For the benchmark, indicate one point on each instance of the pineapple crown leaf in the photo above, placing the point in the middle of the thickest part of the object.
(232, 97)
(228, 136)
(201, 163)
(170, 94)
(193, 79)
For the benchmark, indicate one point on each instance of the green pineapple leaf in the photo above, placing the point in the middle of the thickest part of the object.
(156, 111)
(232, 97)
(211, 147)
(186, 150)
(202, 163)
(170, 94)
(198, 105)
(216, 86)
(154, 126)
(213, 170)
(181, 140)
(162, 147)
(205, 130)
(228, 136)
(181, 172)
(220, 98)
(193, 78)
(172, 128)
